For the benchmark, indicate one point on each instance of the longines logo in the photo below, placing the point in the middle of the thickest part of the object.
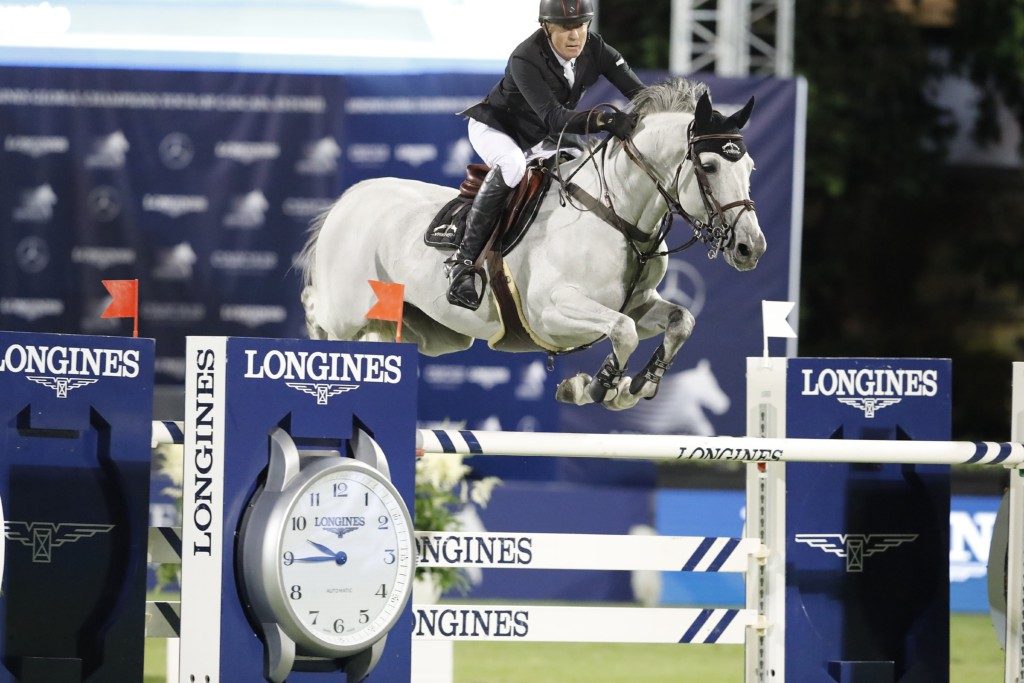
(870, 389)
(869, 406)
(855, 547)
(322, 392)
(64, 368)
(43, 537)
(62, 385)
(321, 366)
(37, 146)
(339, 525)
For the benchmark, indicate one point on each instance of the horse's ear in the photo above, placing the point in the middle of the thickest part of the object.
(703, 111)
(740, 118)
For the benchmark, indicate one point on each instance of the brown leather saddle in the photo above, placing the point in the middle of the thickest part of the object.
(446, 230)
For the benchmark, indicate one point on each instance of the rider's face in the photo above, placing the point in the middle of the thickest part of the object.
(568, 41)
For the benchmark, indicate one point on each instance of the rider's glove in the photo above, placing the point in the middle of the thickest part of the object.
(618, 123)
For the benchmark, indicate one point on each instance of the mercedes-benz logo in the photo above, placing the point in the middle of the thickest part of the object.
(104, 204)
(33, 254)
(684, 285)
(176, 151)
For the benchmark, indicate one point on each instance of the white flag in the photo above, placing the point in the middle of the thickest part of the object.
(773, 314)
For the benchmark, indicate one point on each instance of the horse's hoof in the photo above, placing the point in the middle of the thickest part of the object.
(623, 399)
(574, 390)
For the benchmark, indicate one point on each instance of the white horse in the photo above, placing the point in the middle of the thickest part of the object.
(573, 271)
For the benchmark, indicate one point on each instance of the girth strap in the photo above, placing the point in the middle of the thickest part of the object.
(607, 215)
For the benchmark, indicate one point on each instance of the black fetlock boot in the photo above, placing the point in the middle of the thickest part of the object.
(483, 216)
(651, 374)
(606, 379)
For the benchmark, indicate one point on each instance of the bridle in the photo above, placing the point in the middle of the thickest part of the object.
(715, 232)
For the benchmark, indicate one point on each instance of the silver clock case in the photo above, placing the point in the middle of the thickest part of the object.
(285, 639)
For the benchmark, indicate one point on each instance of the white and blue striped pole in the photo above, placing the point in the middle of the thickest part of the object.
(718, 448)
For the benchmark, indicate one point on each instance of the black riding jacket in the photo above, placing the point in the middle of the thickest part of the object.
(534, 101)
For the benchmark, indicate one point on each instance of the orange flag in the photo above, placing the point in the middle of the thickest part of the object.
(389, 303)
(125, 301)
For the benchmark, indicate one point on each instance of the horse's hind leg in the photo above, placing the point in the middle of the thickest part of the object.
(574, 315)
(657, 315)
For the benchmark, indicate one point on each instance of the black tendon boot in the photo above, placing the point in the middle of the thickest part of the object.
(483, 216)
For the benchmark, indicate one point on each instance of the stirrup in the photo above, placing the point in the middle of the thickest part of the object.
(459, 273)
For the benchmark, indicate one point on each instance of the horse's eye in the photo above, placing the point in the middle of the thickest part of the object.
(709, 167)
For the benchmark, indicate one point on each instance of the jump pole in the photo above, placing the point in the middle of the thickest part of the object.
(718, 448)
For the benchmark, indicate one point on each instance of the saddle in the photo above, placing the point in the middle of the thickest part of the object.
(446, 230)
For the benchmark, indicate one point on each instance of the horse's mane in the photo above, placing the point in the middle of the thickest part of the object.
(677, 94)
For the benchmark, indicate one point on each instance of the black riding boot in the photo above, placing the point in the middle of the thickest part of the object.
(483, 216)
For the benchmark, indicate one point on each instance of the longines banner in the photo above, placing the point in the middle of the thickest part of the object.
(202, 185)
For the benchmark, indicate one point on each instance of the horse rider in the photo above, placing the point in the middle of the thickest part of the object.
(544, 80)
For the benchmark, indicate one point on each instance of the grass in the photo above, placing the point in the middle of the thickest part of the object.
(975, 658)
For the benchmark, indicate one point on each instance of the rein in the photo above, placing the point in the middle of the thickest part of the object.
(715, 233)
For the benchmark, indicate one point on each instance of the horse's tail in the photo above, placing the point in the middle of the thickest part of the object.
(306, 263)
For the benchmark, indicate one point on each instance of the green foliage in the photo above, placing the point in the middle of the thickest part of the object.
(903, 255)
(639, 30)
(876, 150)
(436, 509)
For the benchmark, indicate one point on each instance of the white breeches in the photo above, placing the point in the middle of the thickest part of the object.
(498, 151)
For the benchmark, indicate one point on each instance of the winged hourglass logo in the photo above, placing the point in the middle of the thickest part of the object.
(855, 547)
(869, 406)
(322, 392)
(43, 537)
(62, 385)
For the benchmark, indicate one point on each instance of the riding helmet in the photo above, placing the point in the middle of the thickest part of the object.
(566, 11)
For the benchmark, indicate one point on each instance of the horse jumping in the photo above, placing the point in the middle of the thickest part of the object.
(577, 277)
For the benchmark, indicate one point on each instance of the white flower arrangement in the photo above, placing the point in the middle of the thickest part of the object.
(442, 494)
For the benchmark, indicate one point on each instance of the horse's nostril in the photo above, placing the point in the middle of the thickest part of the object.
(743, 249)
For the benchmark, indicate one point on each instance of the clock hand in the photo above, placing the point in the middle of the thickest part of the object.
(316, 558)
(322, 548)
(340, 557)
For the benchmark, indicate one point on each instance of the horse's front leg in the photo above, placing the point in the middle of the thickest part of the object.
(574, 315)
(654, 315)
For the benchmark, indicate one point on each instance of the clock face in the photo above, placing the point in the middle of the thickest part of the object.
(345, 558)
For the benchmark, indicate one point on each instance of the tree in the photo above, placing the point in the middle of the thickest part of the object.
(903, 255)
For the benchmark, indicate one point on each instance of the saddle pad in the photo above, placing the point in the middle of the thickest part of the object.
(446, 230)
